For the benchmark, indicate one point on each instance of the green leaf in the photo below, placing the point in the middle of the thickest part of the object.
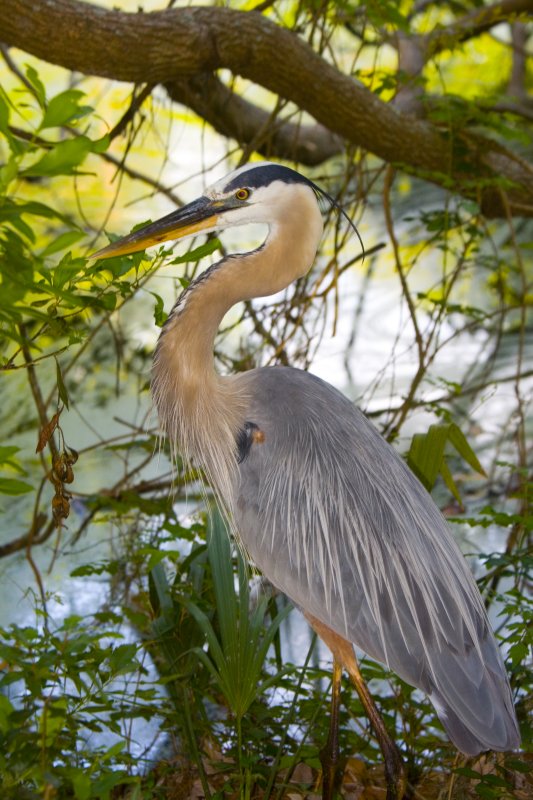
(14, 487)
(81, 783)
(4, 116)
(6, 708)
(467, 772)
(123, 659)
(36, 84)
(449, 481)
(385, 13)
(236, 657)
(6, 454)
(8, 173)
(11, 210)
(519, 766)
(108, 301)
(198, 253)
(518, 652)
(159, 587)
(64, 108)
(62, 159)
(63, 241)
(7, 451)
(160, 317)
(119, 265)
(67, 268)
(426, 456)
(102, 786)
(101, 145)
(458, 440)
(111, 567)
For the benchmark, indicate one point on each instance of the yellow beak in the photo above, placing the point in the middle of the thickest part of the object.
(200, 215)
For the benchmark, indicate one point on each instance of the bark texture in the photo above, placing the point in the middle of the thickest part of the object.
(177, 47)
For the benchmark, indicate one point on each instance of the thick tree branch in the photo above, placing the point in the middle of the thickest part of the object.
(170, 45)
(233, 116)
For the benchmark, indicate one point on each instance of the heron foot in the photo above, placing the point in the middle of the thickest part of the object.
(395, 775)
(331, 774)
(330, 753)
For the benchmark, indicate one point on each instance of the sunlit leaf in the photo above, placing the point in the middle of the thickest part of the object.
(63, 241)
(64, 108)
(211, 246)
(62, 159)
(11, 209)
(160, 316)
(36, 84)
(67, 268)
(101, 145)
(8, 173)
(4, 116)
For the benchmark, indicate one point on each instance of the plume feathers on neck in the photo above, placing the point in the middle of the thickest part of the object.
(200, 411)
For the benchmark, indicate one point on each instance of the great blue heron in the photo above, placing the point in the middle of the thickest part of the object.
(323, 505)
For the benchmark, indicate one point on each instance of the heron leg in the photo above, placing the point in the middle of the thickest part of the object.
(343, 653)
(329, 755)
(394, 767)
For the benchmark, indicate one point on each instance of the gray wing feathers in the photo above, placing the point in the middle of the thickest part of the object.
(333, 517)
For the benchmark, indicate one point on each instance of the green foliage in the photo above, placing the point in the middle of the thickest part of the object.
(237, 653)
(238, 637)
(427, 458)
(12, 486)
(57, 689)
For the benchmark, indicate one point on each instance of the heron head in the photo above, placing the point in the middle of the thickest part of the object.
(259, 192)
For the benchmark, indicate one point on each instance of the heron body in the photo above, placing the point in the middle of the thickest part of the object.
(323, 505)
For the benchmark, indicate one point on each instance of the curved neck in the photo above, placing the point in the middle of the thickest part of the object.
(287, 254)
(201, 412)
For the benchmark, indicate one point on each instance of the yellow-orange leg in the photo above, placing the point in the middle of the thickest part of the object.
(343, 653)
(329, 755)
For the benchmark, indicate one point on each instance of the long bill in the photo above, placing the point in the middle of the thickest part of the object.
(200, 215)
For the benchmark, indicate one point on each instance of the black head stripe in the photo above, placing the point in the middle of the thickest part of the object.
(265, 175)
(268, 173)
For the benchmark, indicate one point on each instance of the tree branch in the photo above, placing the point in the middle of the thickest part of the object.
(233, 116)
(477, 21)
(167, 46)
(414, 51)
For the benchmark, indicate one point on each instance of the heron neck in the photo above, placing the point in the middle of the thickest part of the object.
(200, 411)
(287, 254)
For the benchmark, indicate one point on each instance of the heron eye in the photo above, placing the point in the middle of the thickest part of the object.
(242, 194)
